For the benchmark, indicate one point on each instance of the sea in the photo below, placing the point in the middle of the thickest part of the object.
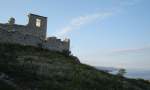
(136, 73)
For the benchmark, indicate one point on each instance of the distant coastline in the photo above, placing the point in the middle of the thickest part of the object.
(136, 73)
(131, 73)
(144, 74)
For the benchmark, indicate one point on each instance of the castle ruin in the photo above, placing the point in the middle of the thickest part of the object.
(32, 34)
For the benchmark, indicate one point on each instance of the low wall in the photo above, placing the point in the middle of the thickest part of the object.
(25, 39)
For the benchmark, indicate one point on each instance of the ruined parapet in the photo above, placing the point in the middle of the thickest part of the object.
(37, 26)
(34, 34)
(51, 39)
(66, 44)
(53, 43)
(11, 21)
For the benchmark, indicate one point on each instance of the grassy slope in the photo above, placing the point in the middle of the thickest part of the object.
(29, 67)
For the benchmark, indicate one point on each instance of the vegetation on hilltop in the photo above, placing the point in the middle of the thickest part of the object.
(31, 68)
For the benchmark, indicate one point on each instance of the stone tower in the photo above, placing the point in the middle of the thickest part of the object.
(38, 24)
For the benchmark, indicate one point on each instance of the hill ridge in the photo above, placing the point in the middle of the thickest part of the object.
(32, 68)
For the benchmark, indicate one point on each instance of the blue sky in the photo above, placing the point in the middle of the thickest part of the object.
(112, 33)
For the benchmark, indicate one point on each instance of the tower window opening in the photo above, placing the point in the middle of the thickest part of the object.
(38, 22)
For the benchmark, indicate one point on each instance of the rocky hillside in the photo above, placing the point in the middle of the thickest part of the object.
(30, 68)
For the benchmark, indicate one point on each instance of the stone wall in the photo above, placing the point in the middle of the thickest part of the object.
(56, 44)
(52, 43)
(23, 29)
(39, 30)
(31, 28)
(19, 38)
(34, 34)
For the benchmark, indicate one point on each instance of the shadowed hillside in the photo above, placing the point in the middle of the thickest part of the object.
(30, 68)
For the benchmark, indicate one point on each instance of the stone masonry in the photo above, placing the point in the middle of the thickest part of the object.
(33, 34)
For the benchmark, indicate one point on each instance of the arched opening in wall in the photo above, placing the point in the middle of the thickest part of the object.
(38, 22)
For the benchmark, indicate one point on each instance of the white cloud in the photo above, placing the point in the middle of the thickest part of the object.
(132, 50)
(80, 21)
(76, 23)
